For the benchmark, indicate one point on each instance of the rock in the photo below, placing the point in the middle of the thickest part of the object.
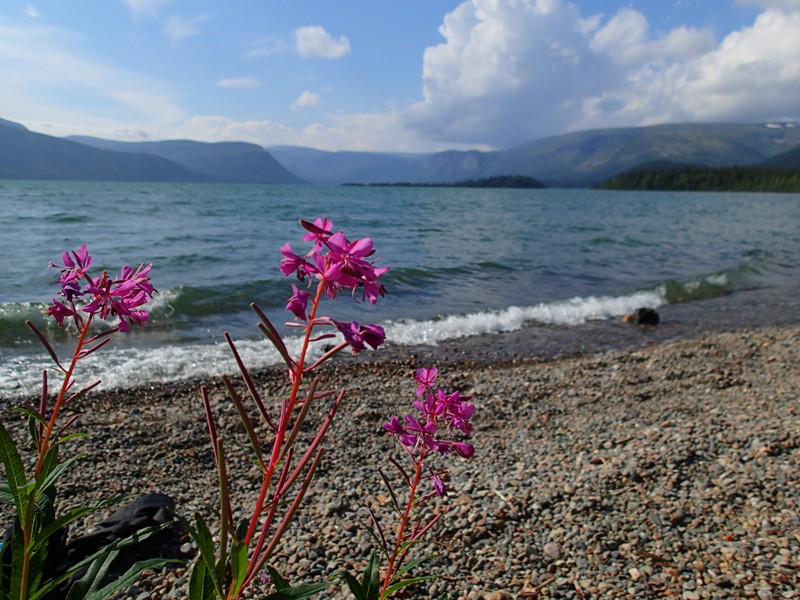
(643, 316)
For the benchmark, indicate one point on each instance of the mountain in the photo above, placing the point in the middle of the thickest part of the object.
(589, 157)
(575, 159)
(28, 155)
(227, 162)
(322, 167)
(786, 160)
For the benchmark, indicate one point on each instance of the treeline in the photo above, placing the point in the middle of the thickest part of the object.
(501, 181)
(708, 179)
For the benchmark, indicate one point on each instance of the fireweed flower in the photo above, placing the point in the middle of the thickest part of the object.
(298, 303)
(359, 336)
(341, 263)
(425, 379)
(441, 413)
(74, 269)
(122, 297)
(337, 264)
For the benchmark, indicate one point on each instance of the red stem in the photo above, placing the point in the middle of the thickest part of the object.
(287, 407)
(401, 529)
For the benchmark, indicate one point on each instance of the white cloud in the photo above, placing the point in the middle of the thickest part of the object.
(313, 40)
(31, 11)
(237, 82)
(754, 74)
(47, 80)
(509, 72)
(145, 7)
(178, 28)
(784, 5)
(307, 99)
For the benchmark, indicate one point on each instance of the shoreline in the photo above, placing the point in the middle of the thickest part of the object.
(666, 467)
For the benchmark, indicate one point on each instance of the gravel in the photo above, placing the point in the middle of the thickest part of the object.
(670, 470)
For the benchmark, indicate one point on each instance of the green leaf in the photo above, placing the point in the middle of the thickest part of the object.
(286, 591)
(86, 585)
(15, 471)
(239, 565)
(305, 590)
(405, 583)
(371, 583)
(205, 545)
(201, 583)
(6, 496)
(101, 555)
(129, 577)
(278, 580)
(353, 584)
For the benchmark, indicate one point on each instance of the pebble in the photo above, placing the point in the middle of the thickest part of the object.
(664, 471)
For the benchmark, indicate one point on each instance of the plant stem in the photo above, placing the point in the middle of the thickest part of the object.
(26, 524)
(401, 528)
(287, 408)
(44, 443)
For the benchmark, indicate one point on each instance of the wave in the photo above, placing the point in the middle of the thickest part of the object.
(708, 286)
(565, 313)
(130, 367)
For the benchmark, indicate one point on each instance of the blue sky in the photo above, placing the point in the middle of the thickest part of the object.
(392, 75)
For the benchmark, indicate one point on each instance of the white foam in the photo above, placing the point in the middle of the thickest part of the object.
(568, 312)
(133, 367)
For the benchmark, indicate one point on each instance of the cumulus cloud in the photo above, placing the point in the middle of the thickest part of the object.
(237, 82)
(510, 72)
(313, 40)
(178, 28)
(307, 99)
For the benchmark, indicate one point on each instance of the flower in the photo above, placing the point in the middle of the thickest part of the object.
(357, 335)
(425, 379)
(291, 263)
(121, 297)
(337, 261)
(298, 303)
(319, 231)
(438, 486)
(74, 269)
(60, 311)
(442, 412)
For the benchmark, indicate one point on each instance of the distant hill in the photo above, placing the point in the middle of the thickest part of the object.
(227, 162)
(576, 159)
(499, 182)
(28, 155)
(320, 166)
(787, 160)
(680, 177)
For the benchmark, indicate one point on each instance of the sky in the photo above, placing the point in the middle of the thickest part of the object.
(392, 75)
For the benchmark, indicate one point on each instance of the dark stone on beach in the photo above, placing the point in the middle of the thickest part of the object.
(644, 316)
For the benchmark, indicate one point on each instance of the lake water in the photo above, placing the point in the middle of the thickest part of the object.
(463, 262)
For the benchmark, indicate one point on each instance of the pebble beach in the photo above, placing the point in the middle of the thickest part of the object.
(670, 469)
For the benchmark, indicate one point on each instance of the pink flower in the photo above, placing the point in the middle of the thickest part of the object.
(298, 303)
(358, 337)
(342, 264)
(441, 412)
(319, 231)
(60, 311)
(425, 379)
(74, 269)
(121, 297)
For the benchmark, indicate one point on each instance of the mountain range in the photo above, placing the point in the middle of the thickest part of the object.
(575, 159)
(572, 160)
